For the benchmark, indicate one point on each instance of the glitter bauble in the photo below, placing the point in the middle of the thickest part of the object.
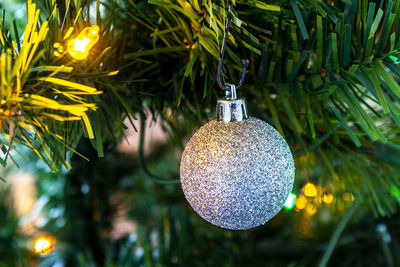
(238, 174)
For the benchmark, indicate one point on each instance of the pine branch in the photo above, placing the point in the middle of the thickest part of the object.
(323, 72)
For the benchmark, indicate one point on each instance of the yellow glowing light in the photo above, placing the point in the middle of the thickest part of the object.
(310, 209)
(79, 47)
(348, 197)
(310, 190)
(44, 245)
(328, 198)
(301, 202)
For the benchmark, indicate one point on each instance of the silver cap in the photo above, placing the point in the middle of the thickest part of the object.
(230, 108)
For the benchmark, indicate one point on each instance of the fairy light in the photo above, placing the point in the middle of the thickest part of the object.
(348, 197)
(44, 245)
(394, 190)
(327, 198)
(290, 201)
(310, 190)
(301, 202)
(79, 47)
(310, 209)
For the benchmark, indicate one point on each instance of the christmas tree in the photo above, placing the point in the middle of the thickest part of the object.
(81, 80)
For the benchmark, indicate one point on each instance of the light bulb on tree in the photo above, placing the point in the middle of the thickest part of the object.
(79, 47)
(290, 201)
(310, 190)
(236, 171)
(44, 245)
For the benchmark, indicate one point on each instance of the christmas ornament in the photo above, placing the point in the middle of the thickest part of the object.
(236, 171)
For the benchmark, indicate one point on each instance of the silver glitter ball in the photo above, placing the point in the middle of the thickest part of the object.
(237, 175)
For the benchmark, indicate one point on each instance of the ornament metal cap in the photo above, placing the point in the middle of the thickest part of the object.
(230, 108)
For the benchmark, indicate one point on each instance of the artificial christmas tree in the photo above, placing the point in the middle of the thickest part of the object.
(323, 73)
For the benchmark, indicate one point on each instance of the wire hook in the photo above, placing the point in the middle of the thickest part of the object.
(244, 62)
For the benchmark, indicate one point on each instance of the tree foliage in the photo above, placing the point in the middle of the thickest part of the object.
(324, 73)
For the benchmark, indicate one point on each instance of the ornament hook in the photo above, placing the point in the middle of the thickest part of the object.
(244, 62)
(230, 92)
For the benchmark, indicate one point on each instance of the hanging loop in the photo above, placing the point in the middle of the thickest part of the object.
(244, 62)
(230, 92)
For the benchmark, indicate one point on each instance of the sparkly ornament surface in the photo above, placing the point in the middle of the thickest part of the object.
(237, 175)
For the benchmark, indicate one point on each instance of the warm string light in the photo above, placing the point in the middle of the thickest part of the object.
(79, 47)
(310, 190)
(44, 245)
(327, 198)
(311, 209)
(301, 202)
(311, 197)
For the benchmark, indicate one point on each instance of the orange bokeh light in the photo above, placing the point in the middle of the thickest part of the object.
(44, 245)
